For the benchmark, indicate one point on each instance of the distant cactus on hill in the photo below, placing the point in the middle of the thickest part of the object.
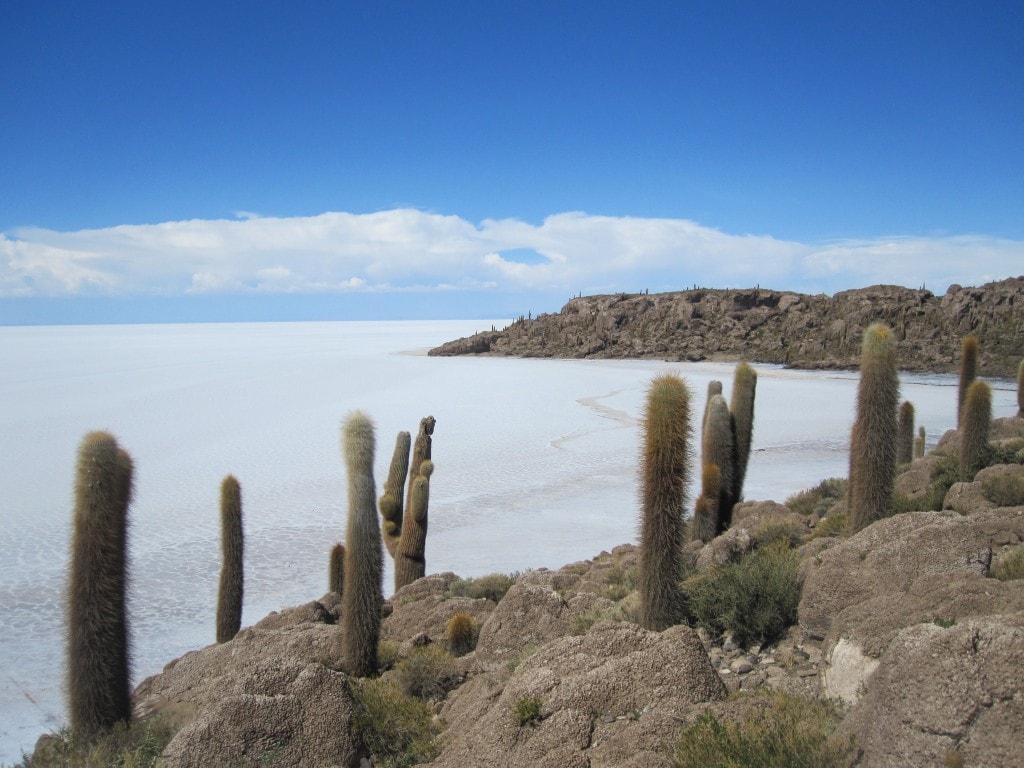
(229, 596)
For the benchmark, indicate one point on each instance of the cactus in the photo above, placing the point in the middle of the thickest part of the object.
(919, 443)
(410, 563)
(420, 449)
(705, 513)
(1020, 390)
(229, 595)
(460, 633)
(968, 372)
(718, 448)
(714, 388)
(361, 597)
(976, 423)
(664, 479)
(336, 570)
(744, 387)
(905, 434)
(873, 437)
(98, 652)
(392, 502)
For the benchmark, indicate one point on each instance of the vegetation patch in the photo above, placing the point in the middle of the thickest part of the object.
(398, 730)
(427, 673)
(136, 746)
(755, 598)
(1004, 490)
(1009, 567)
(786, 731)
(819, 499)
(526, 711)
(785, 532)
(833, 525)
(490, 587)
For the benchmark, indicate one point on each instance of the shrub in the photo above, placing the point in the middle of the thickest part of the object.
(787, 731)
(820, 499)
(427, 673)
(526, 711)
(755, 598)
(491, 587)
(461, 633)
(138, 745)
(1004, 490)
(1009, 567)
(833, 525)
(398, 730)
(774, 531)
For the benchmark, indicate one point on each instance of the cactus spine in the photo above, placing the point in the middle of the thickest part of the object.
(98, 655)
(229, 595)
(975, 425)
(410, 563)
(665, 470)
(968, 372)
(361, 595)
(336, 570)
(905, 434)
(718, 449)
(744, 388)
(392, 502)
(873, 438)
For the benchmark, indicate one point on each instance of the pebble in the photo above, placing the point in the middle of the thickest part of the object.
(741, 665)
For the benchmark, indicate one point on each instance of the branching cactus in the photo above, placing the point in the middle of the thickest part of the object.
(718, 448)
(336, 570)
(410, 560)
(393, 501)
(968, 372)
(364, 559)
(229, 595)
(975, 426)
(873, 438)
(705, 513)
(905, 434)
(665, 468)
(98, 663)
(744, 388)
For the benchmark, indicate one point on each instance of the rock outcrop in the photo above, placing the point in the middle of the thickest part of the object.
(768, 326)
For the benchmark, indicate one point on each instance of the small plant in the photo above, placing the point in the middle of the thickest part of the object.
(137, 745)
(833, 525)
(1004, 490)
(819, 499)
(953, 759)
(945, 623)
(774, 531)
(1009, 567)
(427, 673)
(461, 633)
(787, 731)
(387, 655)
(755, 598)
(526, 711)
(491, 587)
(398, 730)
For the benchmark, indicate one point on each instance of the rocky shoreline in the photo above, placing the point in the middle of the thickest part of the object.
(768, 326)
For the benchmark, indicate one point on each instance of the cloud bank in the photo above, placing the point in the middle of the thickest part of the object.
(404, 250)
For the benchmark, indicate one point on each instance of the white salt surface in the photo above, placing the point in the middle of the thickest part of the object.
(536, 464)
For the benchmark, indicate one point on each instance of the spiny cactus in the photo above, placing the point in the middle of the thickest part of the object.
(665, 469)
(98, 653)
(975, 425)
(1020, 390)
(968, 372)
(919, 443)
(460, 633)
(229, 595)
(364, 559)
(705, 513)
(421, 448)
(744, 388)
(393, 501)
(336, 570)
(905, 434)
(718, 448)
(714, 388)
(873, 438)
(410, 563)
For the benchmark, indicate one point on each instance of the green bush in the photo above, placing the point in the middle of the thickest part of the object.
(427, 673)
(491, 587)
(820, 498)
(786, 731)
(137, 745)
(1009, 567)
(1004, 490)
(772, 532)
(833, 525)
(526, 711)
(398, 730)
(755, 598)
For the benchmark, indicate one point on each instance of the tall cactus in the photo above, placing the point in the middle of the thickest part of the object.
(410, 563)
(975, 426)
(873, 438)
(229, 595)
(968, 372)
(905, 434)
(393, 501)
(665, 469)
(718, 448)
(364, 559)
(1020, 390)
(98, 652)
(714, 388)
(741, 408)
(704, 525)
(336, 570)
(919, 443)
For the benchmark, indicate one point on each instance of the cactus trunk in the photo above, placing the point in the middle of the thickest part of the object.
(410, 559)
(975, 426)
(744, 388)
(905, 434)
(718, 448)
(705, 513)
(392, 502)
(229, 596)
(336, 570)
(968, 372)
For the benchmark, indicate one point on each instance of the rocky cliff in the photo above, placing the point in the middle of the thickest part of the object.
(768, 326)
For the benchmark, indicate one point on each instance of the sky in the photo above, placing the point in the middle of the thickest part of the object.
(185, 161)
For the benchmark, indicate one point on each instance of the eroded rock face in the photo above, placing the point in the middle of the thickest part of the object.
(612, 697)
(940, 691)
(774, 327)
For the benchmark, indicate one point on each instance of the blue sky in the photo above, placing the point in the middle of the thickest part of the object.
(264, 160)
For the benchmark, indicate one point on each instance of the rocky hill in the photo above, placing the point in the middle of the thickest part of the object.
(761, 325)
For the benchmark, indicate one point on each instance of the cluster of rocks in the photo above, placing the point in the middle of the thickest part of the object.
(799, 330)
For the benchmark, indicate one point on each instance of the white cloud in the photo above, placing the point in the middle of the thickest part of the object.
(411, 250)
